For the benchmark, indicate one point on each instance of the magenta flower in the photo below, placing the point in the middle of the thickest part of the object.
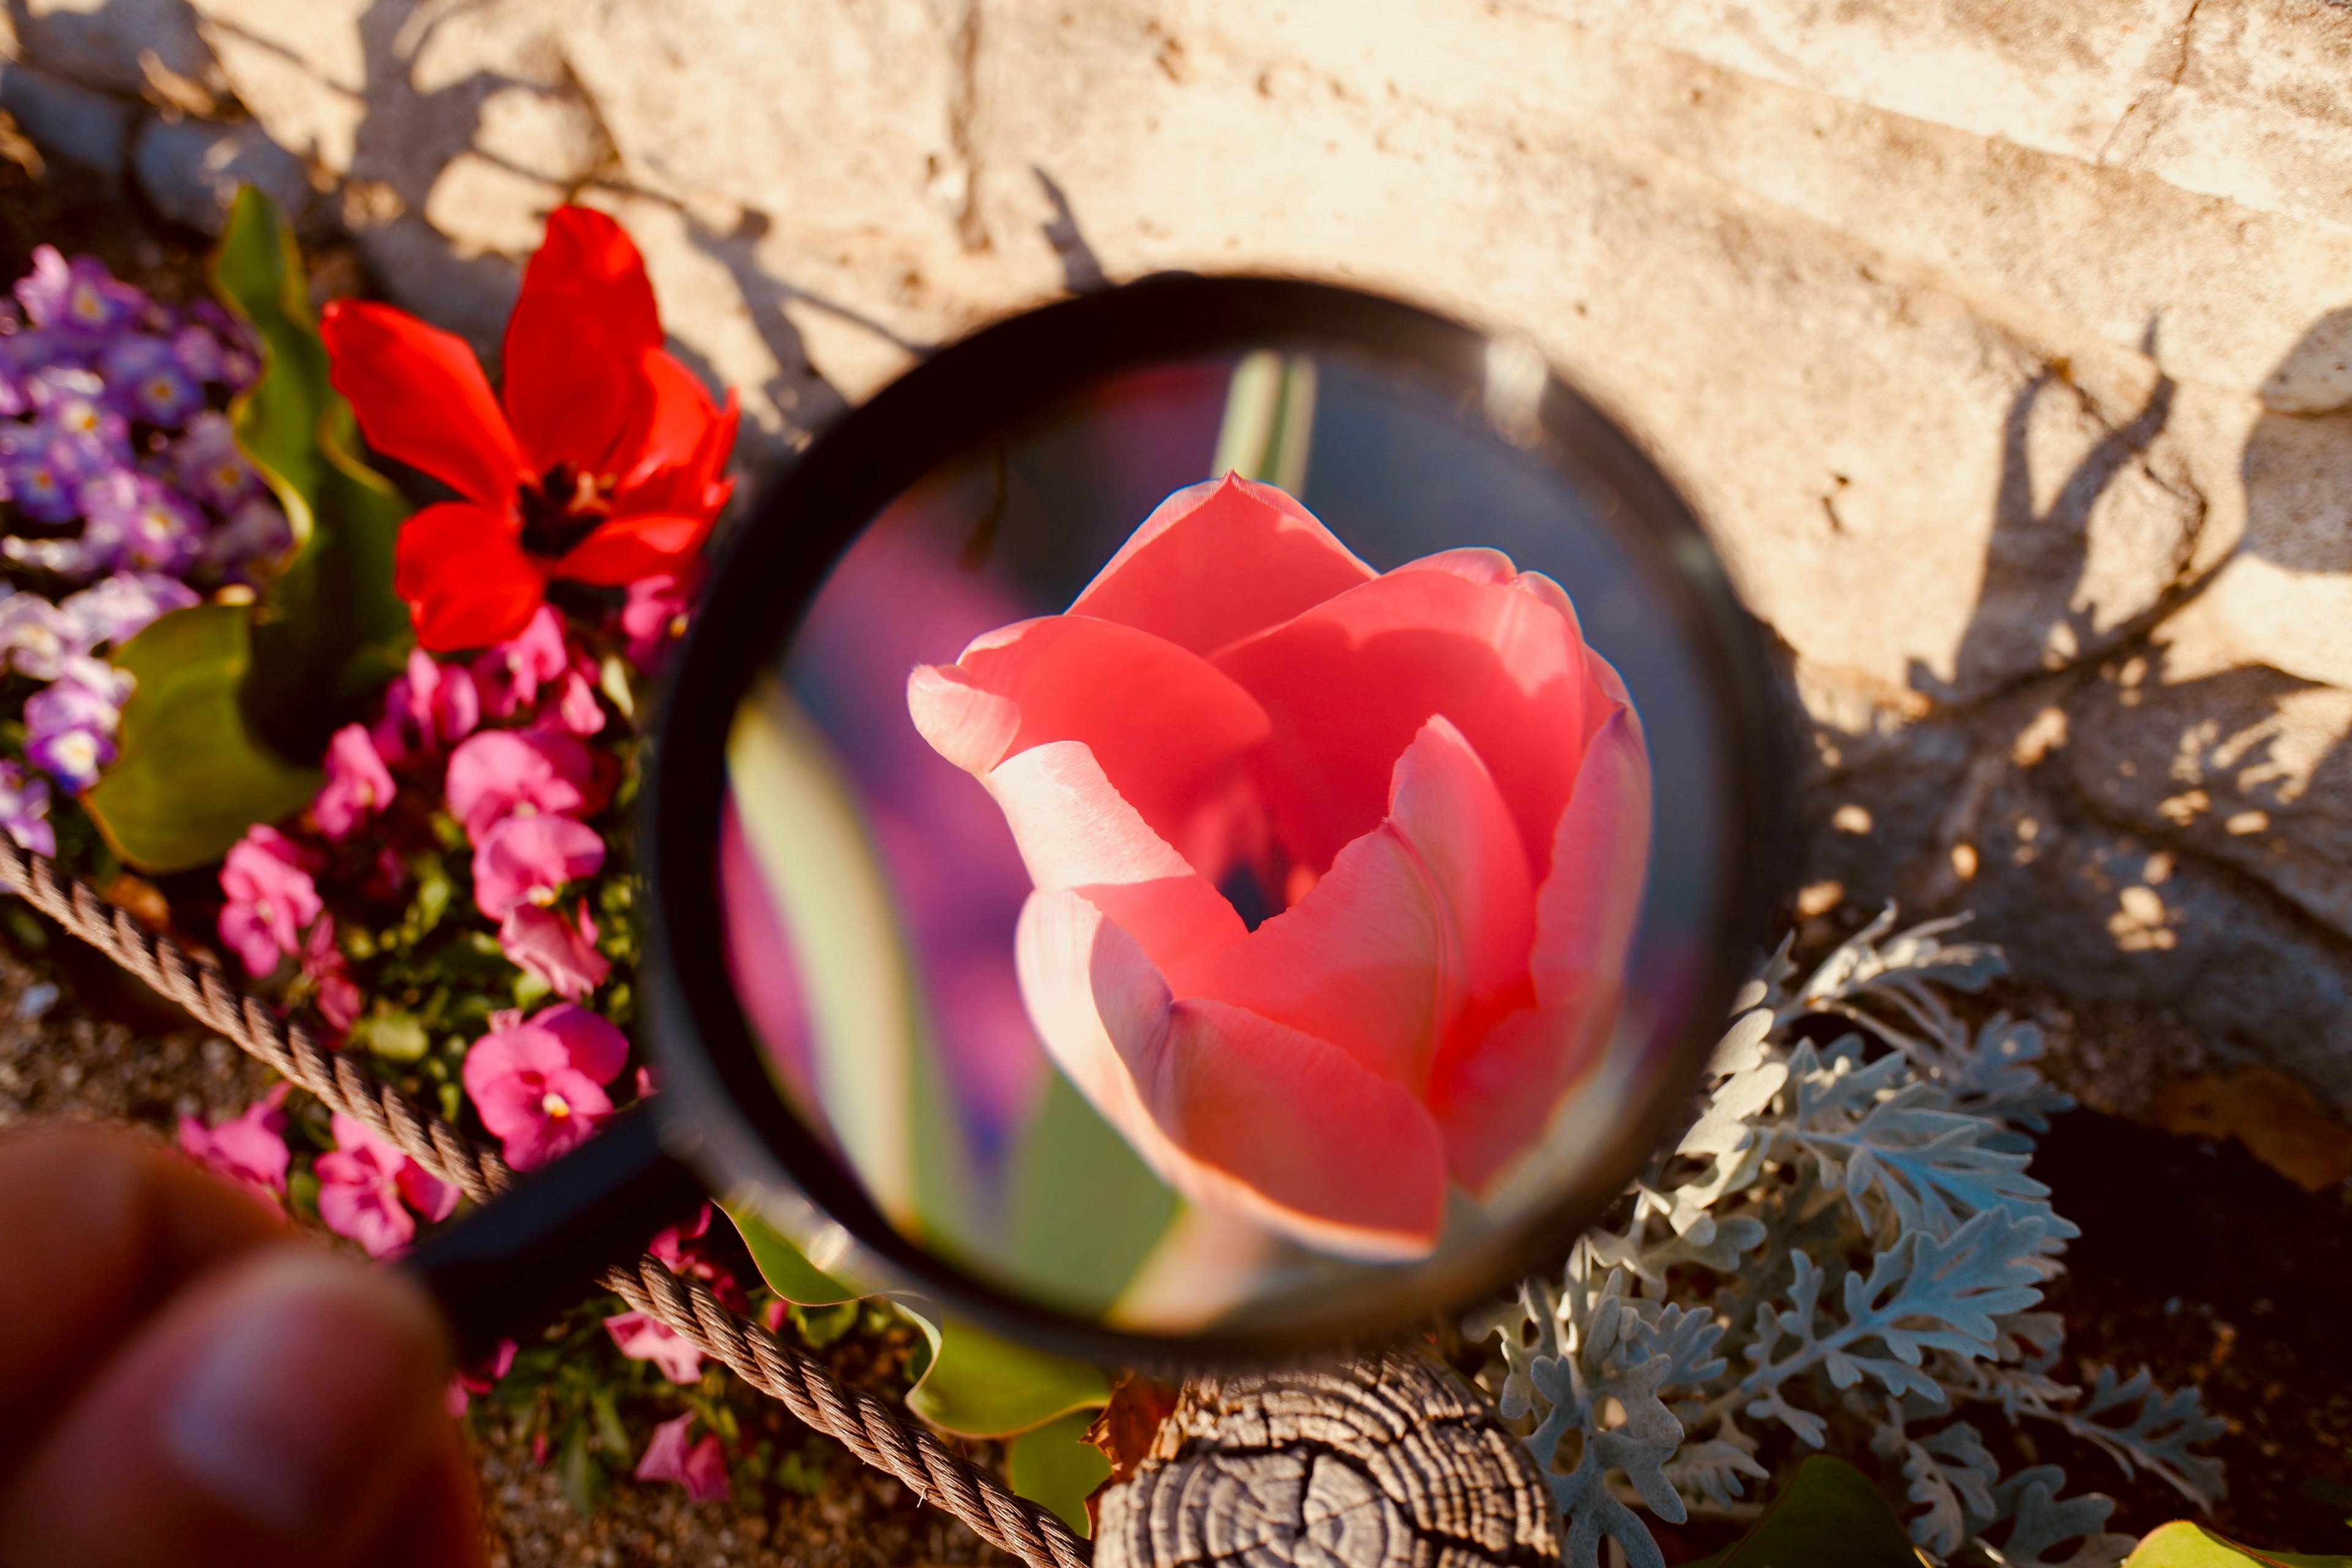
(641, 1338)
(479, 1379)
(560, 951)
(248, 1149)
(432, 706)
(511, 673)
(669, 1243)
(366, 1188)
(575, 706)
(654, 616)
(701, 1470)
(500, 771)
(525, 859)
(272, 898)
(539, 1084)
(25, 809)
(358, 786)
(323, 967)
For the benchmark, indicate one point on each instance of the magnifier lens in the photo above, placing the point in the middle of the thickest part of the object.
(1236, 850)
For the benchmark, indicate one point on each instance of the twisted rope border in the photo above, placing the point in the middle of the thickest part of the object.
(864, 1425)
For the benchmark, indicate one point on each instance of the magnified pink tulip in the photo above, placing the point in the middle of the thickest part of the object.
(1336, 871)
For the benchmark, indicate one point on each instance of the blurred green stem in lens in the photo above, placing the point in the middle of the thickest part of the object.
(1269, 420)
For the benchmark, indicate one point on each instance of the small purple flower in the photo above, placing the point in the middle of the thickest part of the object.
(199, 353)
(206, 464)
(240, 359)
(145, 380)
(114, 611)
(46, 468)
(70, 727)
(135, 520)
(69, 558)
(38, 636)
(74, 402)
(25, 809)
(77, 298)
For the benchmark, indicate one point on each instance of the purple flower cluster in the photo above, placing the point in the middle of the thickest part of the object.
(113, 456)
(70, 723)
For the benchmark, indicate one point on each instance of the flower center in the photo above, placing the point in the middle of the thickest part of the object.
(562, 509)
(556, 1107)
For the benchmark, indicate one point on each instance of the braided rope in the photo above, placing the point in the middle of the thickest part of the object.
(864, 1425)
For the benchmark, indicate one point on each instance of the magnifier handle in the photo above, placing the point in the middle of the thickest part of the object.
(533, 1250)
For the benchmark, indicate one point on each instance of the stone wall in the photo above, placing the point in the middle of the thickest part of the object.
(2007, 348)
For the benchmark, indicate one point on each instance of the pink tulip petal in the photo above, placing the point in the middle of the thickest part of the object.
(1494, 1096)
(1167, 727)
(1235, 1110)
(1246, 557)
(1363, 963)
(1497, 659)
(1443, 802)
(1075, 831)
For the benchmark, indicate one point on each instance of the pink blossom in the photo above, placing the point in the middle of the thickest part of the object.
(655, 615)
(323, 967)
(576, 708)
(669, 1244)
(543, 941)
(524, 859)
(538, 1085)
(271, 897)
(701, 1470)
(432, 706)
(357, 784)
(643, 1339)
(363, 1183)
(248, 1148)
(481, 1378)
(501, 772)
(511, 673)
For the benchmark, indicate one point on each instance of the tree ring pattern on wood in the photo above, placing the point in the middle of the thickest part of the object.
(1389, 1462)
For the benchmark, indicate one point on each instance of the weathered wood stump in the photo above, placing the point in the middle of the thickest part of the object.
(1386, 1463)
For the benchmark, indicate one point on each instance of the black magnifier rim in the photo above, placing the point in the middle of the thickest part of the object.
(768, 573)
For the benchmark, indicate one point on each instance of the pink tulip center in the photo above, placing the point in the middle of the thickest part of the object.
(562, 509)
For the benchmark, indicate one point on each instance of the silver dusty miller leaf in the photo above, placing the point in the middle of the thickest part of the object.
(1733, 1287)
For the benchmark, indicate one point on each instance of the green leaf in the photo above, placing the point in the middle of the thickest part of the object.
(787, 1268)
(1830, 1516)
(2182, 1544)
(1086, 1210)
(978, 1385)
(393, 1035)
(191, 777)
(1056, 1466)
(328, 629)
(1269, 420)
(583, 1479)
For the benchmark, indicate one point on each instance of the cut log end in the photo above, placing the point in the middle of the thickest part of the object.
(1392, 1462)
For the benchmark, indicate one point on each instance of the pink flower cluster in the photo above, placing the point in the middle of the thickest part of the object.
(273, 911)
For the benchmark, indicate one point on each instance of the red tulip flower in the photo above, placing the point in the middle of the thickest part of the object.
(602, 465)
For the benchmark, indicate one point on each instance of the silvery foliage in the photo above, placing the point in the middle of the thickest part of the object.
(1905, 1143)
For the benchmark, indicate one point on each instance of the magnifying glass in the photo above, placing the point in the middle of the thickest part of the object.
(1208, 820)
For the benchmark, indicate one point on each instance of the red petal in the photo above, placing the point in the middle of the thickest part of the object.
(627, 548)
(1236, 1111)
(1348, 683)
(1167, 727)
(577, 343)
(464, 577)
(678, 418)
(1219, 561)
(421, 399)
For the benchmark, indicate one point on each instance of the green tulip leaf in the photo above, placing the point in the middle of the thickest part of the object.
(1086, 1210)
(787, 1268)
(329, 630)
(978, 1385)
(2182, 1544)
(190, 775)
(1830, 1516)
(1055, 1465)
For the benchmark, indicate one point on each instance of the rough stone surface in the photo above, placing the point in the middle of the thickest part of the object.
(190, 170)
(2008, 350)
